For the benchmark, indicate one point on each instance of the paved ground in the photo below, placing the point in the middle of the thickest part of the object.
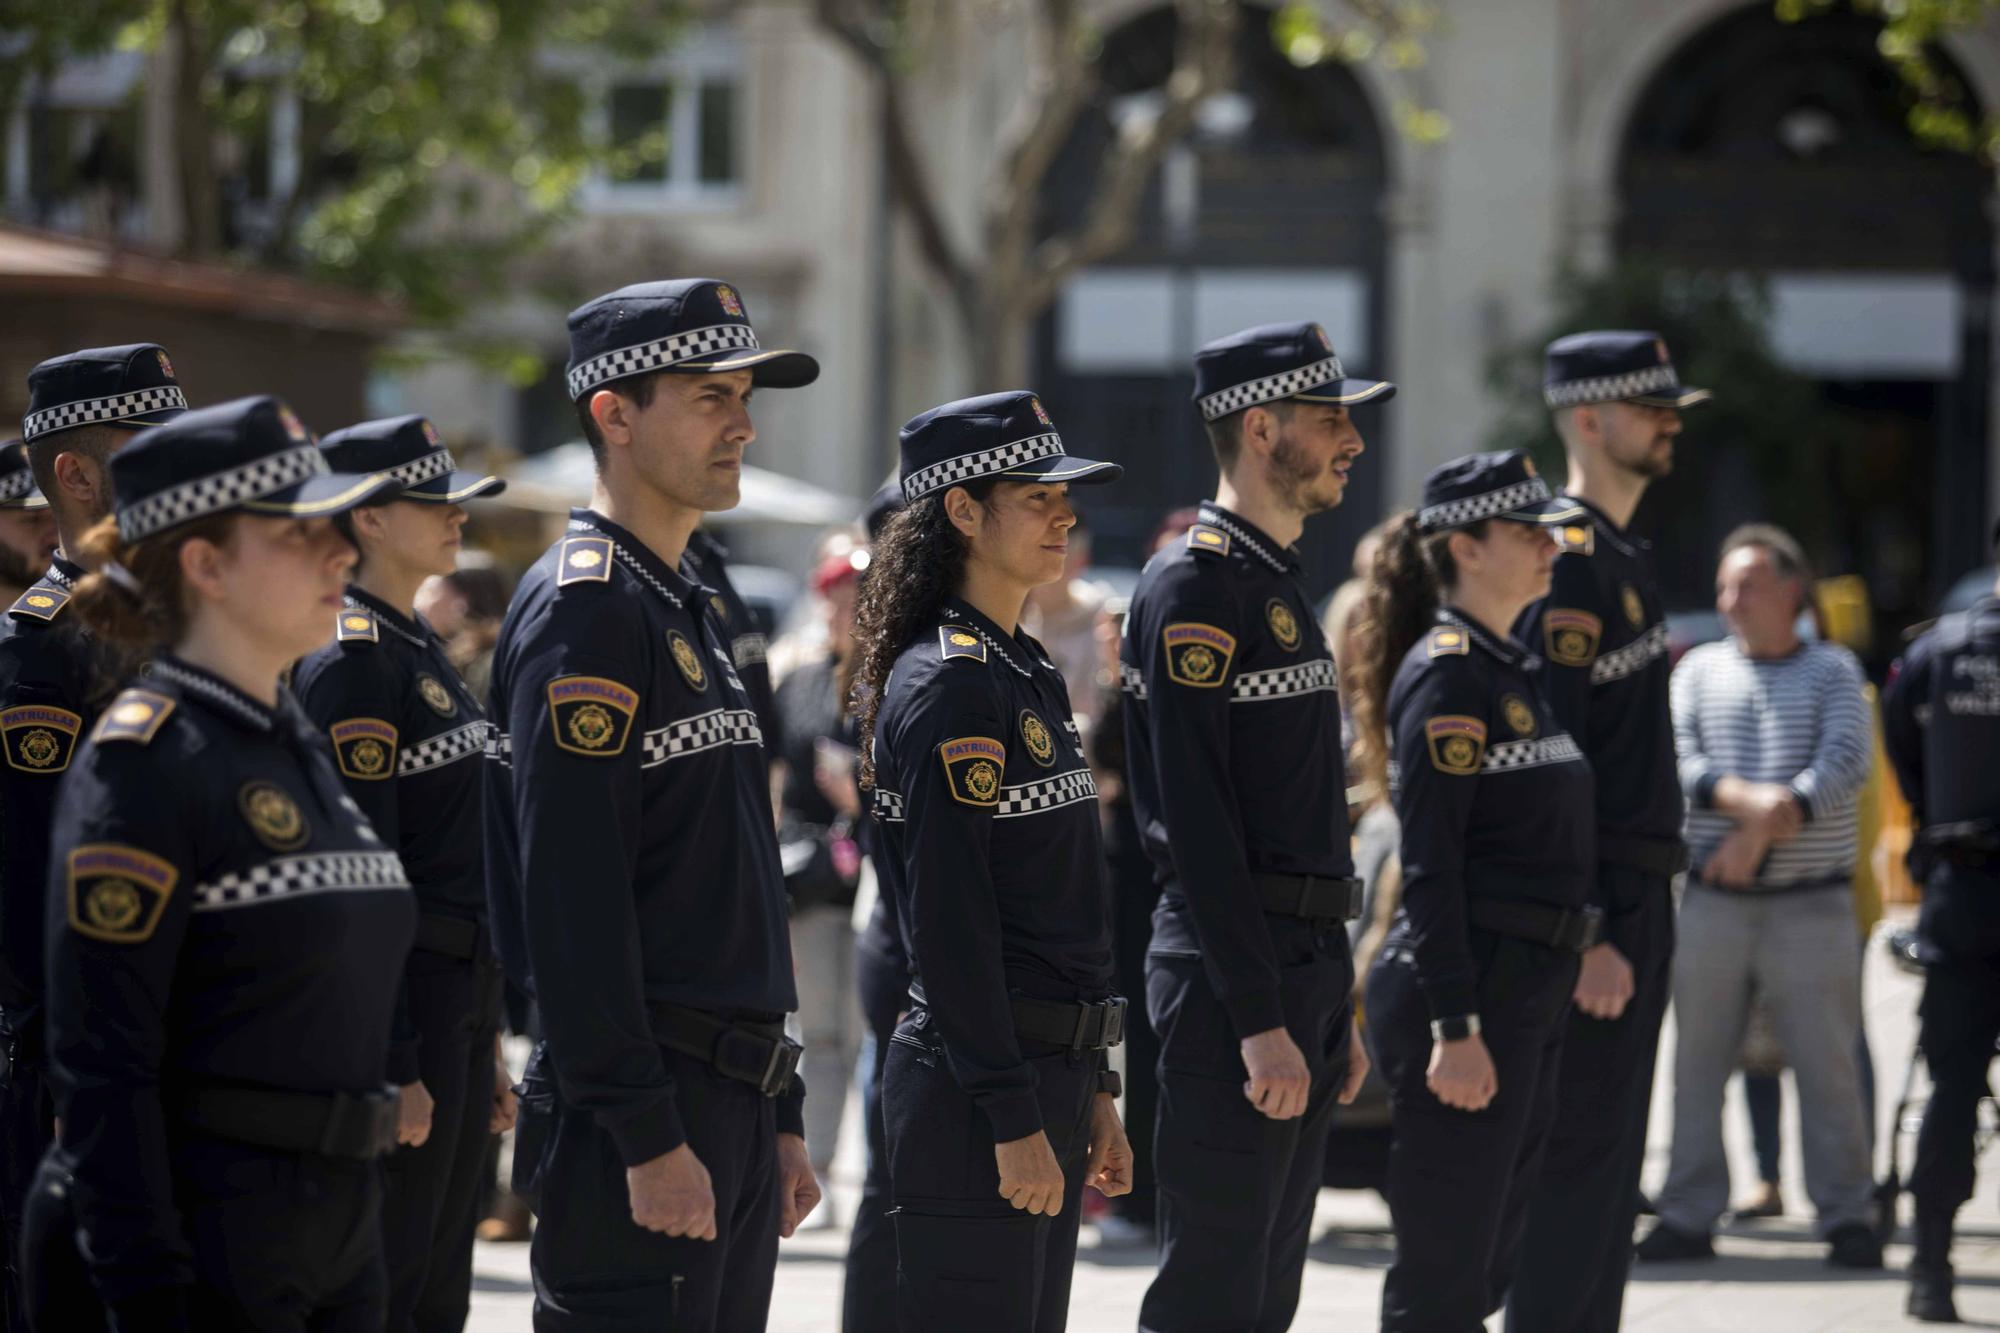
(1770, 1277)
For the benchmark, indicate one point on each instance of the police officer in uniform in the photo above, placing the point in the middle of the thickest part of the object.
(632, 859)
(225, 929)
(1941, 724)
(1602, 630)
(408, 738)
(1233, 747)
(1469, 996)
(82, 408)
(27, 528)
(996, 1096)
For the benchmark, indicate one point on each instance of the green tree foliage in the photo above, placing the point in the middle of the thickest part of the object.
(1943, 111)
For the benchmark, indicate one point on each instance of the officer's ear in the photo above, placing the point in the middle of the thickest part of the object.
(613, 413)
(966, 514)
(1259, 432)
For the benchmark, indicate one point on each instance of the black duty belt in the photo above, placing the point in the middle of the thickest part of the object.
(1313, 897)
(1088, 1027)
(452, 936)
(1633, 851)
(1573, 931)
(759, 1054)
(332, 1124)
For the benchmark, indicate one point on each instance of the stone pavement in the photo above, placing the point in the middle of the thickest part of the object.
(1770, 1277)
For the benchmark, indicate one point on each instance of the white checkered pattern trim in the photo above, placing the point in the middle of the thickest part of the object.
(356, 604)
(1132, 681)
(959, 620)
(631, 561)
(499, 746)
(1508, 756)
(1282, 682)
(1032, 798)
(428, 468)
(438, 751)
(97, 411)
(16, 486)
(1472, 508)
(60, 579)
(1215, 518)
(694, 345)
(247, 709)
(1630, 659)
(220, 490)
(988, 462)
(1271, 388)
(703, 731)
(888, 806)
(751, 649)
(1611, 388)
(300, 876)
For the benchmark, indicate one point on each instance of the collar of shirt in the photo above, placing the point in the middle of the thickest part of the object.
(1507, 650)
(63, 573)
(656, 573)
(705, 545)
(215, 694)
(1251, 536)
(1608, 530)
(1016, 650)
(411, 628)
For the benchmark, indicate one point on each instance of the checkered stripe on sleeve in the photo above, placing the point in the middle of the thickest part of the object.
(1632, 658)
(98, 411)
(1611, 388)
(449, 748)
(499, 746)
(1271, 388)
(703, 731)
(1538, 753)
(1032, 798)
(694, 345)
(1132, 681)
(420, 470)
(1472, 508)
(1282, 682)
(888, 806)
(219, 491)
(750, 649)
(986, 463)
(298, 876)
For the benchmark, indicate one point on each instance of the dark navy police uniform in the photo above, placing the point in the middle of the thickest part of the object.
(991, 854)
(636, 888)
(1602, 631)
(1232, 730)
(409, 738)
(706, 562)
(1941, 724)
(1495, 803)
(49, 697)
(224, 936)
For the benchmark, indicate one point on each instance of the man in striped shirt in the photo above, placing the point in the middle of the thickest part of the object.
(1774, 740)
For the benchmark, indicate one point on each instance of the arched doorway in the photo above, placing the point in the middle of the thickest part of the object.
(1784, 150)
(1272, 211)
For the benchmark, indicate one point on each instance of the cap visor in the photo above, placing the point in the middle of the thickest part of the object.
(1548, 513)
(1687, 397)
(158, 417)
(322, 496)
(32, 500)
(774, 369)
(1350, 392)
(1076, 471)
(454, 487)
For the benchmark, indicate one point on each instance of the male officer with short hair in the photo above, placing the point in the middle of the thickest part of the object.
(1238, 782)
(634, 874)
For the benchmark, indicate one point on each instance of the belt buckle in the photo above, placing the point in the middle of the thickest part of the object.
(778, 1070)
(1357, 898)
(1114, 1021)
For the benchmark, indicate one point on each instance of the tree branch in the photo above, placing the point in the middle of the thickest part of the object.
(1063, 84)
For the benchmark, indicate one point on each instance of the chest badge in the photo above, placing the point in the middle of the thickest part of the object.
(1519, 716)
(1635, 610)
(436, 695)
(688, 660)
(273, 816)
(1035, 735)
(1284, 625)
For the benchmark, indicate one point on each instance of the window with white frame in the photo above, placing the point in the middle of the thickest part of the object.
(672, 128)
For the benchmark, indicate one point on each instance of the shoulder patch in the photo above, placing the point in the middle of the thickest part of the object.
(591, 715)
(38, 738)
(1458, 743)
(584, 560)
(1197, 654)
(1207, 537)
(117, 893)
(1446, 641)
(135, 715)
(958, 641)
(357, 623)
(1580, 538)
(1570, 636)
(40, 602)
(366, 748)
(973, 766)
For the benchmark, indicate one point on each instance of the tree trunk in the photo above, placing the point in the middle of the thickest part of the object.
(201, 208)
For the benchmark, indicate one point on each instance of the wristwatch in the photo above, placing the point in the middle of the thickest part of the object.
(1456, 1028)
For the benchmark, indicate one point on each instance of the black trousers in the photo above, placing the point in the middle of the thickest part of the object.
(1459, 1181)
(27, 1126)
(868, 1295)
(1577, 1250)
(1957, 1024)
(282, 1243)
(432, 1193)
(598, 1271)
(967, 1260)
(1237, 1188)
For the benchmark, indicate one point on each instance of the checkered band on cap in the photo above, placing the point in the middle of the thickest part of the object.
(986, 463)
(694, 345)
(428, 468)
(98, 411)
(1612, 388)
(220, 490)
(14, 487)
(1271, 388)
(1472, 508)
